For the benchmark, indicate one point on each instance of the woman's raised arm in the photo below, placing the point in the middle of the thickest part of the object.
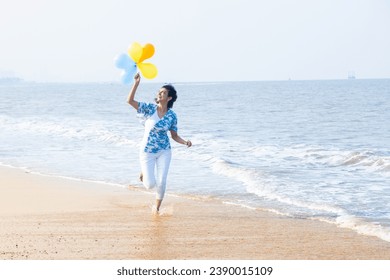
(130, 98)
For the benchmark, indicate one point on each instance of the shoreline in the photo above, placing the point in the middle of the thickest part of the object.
(49, 217)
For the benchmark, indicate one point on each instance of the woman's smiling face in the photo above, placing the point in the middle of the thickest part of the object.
(162, 95)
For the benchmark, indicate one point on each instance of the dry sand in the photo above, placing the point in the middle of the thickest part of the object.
(44, 217)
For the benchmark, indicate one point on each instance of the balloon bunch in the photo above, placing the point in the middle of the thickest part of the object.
(135, 57)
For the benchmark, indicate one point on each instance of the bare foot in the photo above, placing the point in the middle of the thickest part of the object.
(155, 211)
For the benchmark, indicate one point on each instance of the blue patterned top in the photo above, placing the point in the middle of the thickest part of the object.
(156, 137)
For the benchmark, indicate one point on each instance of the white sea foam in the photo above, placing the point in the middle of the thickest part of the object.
(257, 183)
(363, 227)
(367, 160)
(358, 225)
(66, 129)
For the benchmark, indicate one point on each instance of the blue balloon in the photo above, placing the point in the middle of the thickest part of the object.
(128, 75)
(123, 61)
(125, 79)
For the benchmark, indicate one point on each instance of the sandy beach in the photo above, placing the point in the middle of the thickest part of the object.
(45, 217)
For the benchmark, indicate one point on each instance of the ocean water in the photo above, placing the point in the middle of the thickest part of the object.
(305, 149)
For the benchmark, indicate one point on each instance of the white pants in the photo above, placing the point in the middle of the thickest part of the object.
(155, 170)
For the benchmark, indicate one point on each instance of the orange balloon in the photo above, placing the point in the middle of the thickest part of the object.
(147, 52)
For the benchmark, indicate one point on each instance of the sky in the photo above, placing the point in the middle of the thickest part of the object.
(195, 41)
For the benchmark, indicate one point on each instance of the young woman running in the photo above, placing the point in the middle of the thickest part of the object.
(155, 152)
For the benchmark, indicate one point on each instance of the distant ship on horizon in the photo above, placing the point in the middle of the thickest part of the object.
(351, 75)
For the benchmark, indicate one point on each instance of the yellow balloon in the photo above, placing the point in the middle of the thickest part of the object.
(148, 70)
(135, 51)
(147, 52)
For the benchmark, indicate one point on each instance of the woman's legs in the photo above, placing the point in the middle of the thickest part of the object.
(148, 162)
(159, 162)
(162, 167)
